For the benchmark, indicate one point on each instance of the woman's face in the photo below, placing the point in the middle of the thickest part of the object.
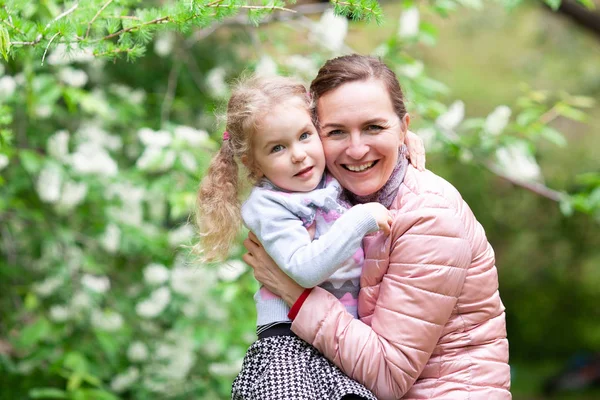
(361, 135)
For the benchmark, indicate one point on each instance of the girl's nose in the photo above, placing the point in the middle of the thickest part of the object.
(298, 155)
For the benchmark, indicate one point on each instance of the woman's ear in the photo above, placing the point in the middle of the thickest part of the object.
(405, 122)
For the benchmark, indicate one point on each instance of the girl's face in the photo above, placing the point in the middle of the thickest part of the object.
(287, 150)
(361, 135)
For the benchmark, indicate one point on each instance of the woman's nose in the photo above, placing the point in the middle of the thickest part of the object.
(357, 148)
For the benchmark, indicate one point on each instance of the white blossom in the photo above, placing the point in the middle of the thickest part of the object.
(163, 45)
(7, 86)
(412, 70)
(189, 281)
(409, 23)
(190, 136)
(58, 145)
(331, 30)
(231, 270)
(111, 238)
(108, 320)
(89, 158)
(215, 80)
(303, 65)
(81, 301)
(155, 139)
(156, 274)
(266, 66)
(131, 211)
(181, 235)
(122, 382)
(188, 161)
(135, 96)
(453, 117)
(497, 120)
(178, 355)
(3, 161)
(62, 55)
(137, 352)
(96, 103)
(155, 159)
(49, 183)
(91, 132)
(516, 161)
(73, 77)
(73, 194)
(155, 304)
(98, 284)
(48, 286)
(59, 313)
(43, 111)
(225, 369)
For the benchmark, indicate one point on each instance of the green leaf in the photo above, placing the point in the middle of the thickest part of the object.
(553, 4)
(553, 136)
(4, 42)
(47, 393)
(570, 112)
(31, 161)
(34, 333)
(98, 394)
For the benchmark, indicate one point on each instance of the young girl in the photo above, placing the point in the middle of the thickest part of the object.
(269, 129)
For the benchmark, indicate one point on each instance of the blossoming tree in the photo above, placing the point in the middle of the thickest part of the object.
(106, 125)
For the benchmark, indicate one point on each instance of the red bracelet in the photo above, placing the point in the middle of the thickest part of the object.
(296, 307)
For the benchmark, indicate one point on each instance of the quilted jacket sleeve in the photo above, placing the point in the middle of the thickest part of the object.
(429, 257)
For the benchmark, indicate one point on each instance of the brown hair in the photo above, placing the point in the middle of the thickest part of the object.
(217, 206)
(355, 67)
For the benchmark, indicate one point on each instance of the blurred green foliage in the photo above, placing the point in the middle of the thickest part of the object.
(100, 159)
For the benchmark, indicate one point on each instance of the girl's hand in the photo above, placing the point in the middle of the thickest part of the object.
(416, 150)
(382, 215)
(268, 273)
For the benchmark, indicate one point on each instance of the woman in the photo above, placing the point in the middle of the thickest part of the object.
(432, 325)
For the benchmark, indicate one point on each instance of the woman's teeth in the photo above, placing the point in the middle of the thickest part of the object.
(359, 168)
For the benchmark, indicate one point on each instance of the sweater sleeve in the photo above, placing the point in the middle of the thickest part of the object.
(429, 256)
(287, 241)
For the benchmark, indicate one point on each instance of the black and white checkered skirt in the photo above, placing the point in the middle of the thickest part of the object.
(288, 368)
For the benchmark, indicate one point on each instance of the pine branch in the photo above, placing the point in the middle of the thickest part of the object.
(87, 32)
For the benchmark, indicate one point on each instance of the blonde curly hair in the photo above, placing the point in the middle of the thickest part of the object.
(217, 213)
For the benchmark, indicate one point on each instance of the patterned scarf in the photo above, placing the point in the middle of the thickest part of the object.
(388, 192)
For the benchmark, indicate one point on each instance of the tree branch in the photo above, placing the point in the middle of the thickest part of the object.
(87, 32)
(580, 15)
(534, 187)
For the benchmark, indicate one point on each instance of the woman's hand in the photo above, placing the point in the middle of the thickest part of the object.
(268, 273)
(416, 150)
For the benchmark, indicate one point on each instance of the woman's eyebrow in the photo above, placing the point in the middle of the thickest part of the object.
(332, 125)
(375, 121)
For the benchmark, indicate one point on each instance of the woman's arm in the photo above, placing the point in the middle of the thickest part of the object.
(429, 257)
(428, 260)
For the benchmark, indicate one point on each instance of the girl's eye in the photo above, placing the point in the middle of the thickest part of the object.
(304, 136)
(277, 148)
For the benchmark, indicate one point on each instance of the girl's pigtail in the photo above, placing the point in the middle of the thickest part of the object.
(218, 207)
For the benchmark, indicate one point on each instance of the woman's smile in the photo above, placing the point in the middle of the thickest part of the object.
(360, 167)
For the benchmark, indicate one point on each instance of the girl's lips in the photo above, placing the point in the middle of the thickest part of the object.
(304, 172)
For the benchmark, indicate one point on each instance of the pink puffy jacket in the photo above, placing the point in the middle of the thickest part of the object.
(432, 323)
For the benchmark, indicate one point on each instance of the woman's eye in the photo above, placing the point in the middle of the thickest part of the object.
(374, 128)
(334, 133)
(276, 148)
(304, 136)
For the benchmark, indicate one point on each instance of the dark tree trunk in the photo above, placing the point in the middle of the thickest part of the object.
(588, 19)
